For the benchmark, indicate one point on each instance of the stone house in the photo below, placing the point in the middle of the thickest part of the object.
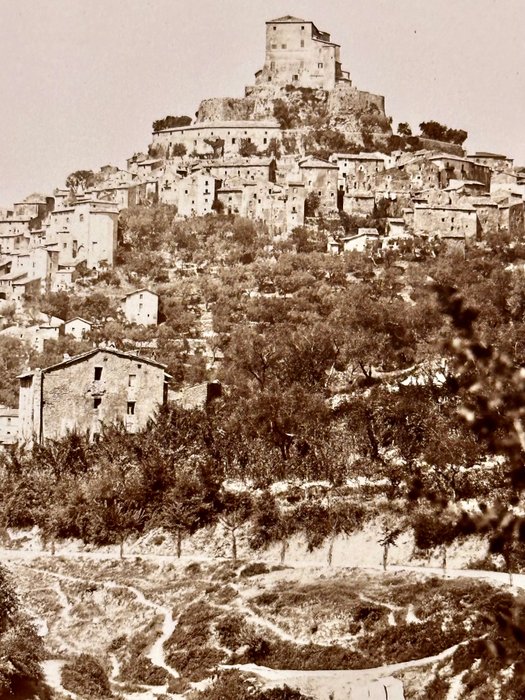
(245, 168)
(361, 241)
(36, 334)
(84, 232)
(495, 161)
(86, 392)
(196, 194)
(445, 221)
(281, 206)
(237, 196)
(321, 177)
(357, 171)
(141, 307)
(77, 327)
(457, 168)
(19, 287)
(359, 203)
(8, 425)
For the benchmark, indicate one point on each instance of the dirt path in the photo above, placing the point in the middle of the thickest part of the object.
(156, 653)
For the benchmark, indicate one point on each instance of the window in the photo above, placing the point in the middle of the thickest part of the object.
(319, 65)
(81, 217)
(98, 374)
(302, 43)
(233, 141)
(283, 46)
(96, 402)
(295, 77)
(141, 305)
(132, 381)
(274, 46)
(131, 408)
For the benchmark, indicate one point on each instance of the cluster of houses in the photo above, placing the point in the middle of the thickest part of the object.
(453, 198)
(235, 158)
(204, 167)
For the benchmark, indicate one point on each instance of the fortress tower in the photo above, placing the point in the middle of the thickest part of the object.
(298, 54)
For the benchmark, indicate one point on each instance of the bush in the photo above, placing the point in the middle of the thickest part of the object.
(141, 670)
(255, 569)
(171, 122)
(87, 677)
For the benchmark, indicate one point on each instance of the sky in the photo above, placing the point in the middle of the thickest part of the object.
(81, 81)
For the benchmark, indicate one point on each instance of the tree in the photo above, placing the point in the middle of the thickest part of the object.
(247, 148)
(14, 354)
(81, 178)
(440, 132)
(178, 150)
(236, 509)
(21, 649)
(404, 129)
(183, 508)
(171, 122)
(218, 146)
(311, 204)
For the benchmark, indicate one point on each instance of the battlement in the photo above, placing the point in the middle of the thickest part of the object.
(299, 54)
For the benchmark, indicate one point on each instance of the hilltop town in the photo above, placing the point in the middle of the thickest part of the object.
(262, 392)
(304, 148)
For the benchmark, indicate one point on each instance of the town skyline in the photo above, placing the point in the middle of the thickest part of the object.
(81, 94)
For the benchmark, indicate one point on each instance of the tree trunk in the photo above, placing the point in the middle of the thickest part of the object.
(53, 545)
(444, 559)
(179, 542)
(331, 550)
(385, 556)
(121, 548)
(234, 547)
(284, 547)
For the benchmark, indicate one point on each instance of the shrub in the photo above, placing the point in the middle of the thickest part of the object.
(232, 631)
(86, 676)
(255, 569)
(141, 670)
(178, 150)
(171, 122)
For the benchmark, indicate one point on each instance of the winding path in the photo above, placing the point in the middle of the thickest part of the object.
(346, 678)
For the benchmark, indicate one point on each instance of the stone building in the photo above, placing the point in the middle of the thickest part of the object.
(141, 307)
(320, 178)
(457, 168)
(357, 171)
(86, 392)
(194, 195)
(446, 221)
(8, 425)
(299, 54)
(77, 327)
(495, 161)
(84, 232)
(196, 138)
(246, 168)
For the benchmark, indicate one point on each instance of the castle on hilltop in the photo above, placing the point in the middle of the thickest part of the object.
(298, 54)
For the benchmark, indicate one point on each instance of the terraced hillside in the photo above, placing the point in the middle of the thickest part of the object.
(153, 627)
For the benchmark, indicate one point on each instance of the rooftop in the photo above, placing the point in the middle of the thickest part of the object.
(92, 353)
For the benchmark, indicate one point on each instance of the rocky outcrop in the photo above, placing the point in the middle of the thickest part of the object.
(359, 116)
